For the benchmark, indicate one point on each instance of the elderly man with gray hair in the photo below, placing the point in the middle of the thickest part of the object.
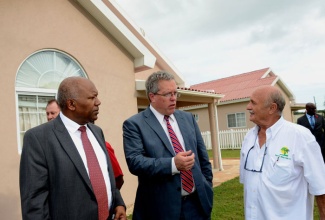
(281, 166)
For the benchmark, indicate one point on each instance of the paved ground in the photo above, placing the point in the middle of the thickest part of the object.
(230, 171)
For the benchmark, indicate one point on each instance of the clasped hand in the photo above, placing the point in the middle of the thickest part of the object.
(184, 160)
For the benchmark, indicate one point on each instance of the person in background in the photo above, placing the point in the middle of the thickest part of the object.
(118, 174)
(165, 149)
(65, 171)
(280, 163)
(316, 124)
(52, 109)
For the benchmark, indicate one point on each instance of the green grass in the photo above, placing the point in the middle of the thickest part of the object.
(228, 201)
(226, 154)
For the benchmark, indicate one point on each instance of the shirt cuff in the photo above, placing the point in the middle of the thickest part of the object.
(174, 169)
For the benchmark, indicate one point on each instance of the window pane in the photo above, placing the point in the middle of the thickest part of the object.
(241, 119)
(46, 69)
(231, 120)
(31, 112)
(42, 70)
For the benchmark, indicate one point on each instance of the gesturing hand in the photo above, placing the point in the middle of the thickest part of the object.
(184, 160)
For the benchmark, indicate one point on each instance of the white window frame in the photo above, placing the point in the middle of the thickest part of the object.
(236, 118)
(42, 91)
(33, 92)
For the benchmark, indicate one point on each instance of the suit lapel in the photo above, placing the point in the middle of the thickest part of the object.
(152, 121)
(306, 122)
(183, 128)
(69, 147)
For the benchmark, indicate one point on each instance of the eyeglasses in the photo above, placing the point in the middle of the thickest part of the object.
(252, 170)
(169, 94)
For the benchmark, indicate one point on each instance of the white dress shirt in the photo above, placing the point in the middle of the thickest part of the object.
(173, 123)
(75, 134)
(293, 171)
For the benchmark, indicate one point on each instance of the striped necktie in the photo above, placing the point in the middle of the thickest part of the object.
(96, 176)
(186, 175)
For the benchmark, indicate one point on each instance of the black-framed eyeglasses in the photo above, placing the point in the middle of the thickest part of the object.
(169, 94)
(252, 170)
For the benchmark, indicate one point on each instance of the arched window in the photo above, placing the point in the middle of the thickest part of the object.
(37, 81)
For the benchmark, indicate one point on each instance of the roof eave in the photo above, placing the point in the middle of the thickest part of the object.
(143, 58)
(284, 87)
(140, 86)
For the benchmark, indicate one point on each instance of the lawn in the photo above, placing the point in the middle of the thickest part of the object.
(226, 154)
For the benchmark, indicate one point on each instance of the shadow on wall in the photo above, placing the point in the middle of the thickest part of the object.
(9, 207)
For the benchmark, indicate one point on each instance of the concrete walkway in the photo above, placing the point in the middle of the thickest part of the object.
(230, 171)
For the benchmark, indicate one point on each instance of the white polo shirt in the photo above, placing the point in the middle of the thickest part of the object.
(293, 171)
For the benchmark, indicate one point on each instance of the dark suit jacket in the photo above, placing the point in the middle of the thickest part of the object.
(318, 130)
(149, 153)
(54, 183)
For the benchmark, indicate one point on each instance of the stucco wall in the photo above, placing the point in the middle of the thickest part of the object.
(27, 27)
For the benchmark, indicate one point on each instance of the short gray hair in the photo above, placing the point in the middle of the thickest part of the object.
(277, 98)
(153, 80)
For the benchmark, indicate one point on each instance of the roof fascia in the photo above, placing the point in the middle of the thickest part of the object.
(234, 101)
(284, 87)
(140, 86)
(266, 73)
(143, 58)
(162, 61)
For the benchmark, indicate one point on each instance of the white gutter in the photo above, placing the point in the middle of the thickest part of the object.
(143, 58)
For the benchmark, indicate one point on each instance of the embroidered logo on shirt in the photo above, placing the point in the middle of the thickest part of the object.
(284, 153)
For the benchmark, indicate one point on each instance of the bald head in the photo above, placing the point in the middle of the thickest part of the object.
(77, 97)
(265, 106)
(310, 108)
(271, 94)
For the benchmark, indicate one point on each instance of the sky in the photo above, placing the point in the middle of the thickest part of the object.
(212, 39)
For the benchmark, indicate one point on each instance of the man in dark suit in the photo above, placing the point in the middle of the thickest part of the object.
(166, 173)
(315, 123)
(57, 177)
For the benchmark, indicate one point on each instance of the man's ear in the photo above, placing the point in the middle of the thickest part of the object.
(151, 97)
(71, 104)
(273, 108)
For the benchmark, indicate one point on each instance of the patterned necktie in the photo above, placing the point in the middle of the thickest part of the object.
(312, 122)
(186, 176)
(96, 176)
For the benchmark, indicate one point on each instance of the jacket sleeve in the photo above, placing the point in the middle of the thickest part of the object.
(33, 180)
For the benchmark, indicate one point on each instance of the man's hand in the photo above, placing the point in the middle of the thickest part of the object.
(120, 213)
(184, 160)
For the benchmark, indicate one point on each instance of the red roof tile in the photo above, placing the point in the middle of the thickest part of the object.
(238, 86)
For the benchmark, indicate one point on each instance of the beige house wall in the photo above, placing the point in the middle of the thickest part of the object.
(203, 121)
(27, 27)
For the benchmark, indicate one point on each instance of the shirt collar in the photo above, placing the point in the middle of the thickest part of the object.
(273, 130)
(69, 124)
(160, 116)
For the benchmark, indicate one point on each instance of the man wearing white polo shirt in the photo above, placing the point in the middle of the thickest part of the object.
(281, 166)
